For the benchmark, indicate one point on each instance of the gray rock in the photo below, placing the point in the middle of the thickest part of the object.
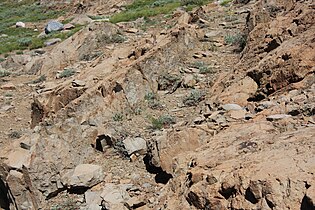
(228, 107)
(133, 145)
(277, 117)
(86, 175)
(53, 26)
(52, 41)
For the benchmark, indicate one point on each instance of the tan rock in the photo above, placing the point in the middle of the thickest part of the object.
(8, 86)
(86, 175)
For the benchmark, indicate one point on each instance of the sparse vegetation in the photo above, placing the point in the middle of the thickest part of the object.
(169, 82)
(15, 135)
(25, 11)
(118, 117)
(26, 38)
(4, 73)
(69, 204)
(162, 122)
(147, 8)
(194, 98)
(40, 79)
(203, 67)
(236, 39)
(8, 95)
(225, 2)
(153, 101)
(66, 73)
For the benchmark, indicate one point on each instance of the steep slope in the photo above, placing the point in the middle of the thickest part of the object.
(211, 109)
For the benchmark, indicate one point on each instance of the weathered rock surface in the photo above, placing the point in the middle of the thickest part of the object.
(244, 140)
(86, 175)
(53, 26)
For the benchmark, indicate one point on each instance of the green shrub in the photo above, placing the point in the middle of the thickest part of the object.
(162, 122)
(202, 67)
(15, 135)
(225, 2)
(40, 79)
(67, 73)
(4, 73)
(118, 117)
(194, 98)
(236, 39)
(153, 101)
(24, 42)
(192, 2)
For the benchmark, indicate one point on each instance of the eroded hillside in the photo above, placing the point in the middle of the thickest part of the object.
(211, 108)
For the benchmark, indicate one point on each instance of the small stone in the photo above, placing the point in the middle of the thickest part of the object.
(189, 81)
(229, 107)
(133, 145)
(8, 86)
(133, 157)
(6, 108)
(277, 117)
(131, 30)
(78, 83)
(16, 174)
(199, 120)
(20, 24)
(3, 35)
(52, 41)
(68, 26)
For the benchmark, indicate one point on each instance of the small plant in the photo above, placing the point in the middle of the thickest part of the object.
(192, 2)
(109, 39)
(137, 111)
(15, 135)
(153, 101)
(4, 73)
(66, 73)
(118, 117)
(225, 2)
(19, 52)
(150, 96)
(162, 122)
(69, 204)
(237, 39)
(24, 42)
(203, 68)
(8, 95)
(194, 98)
(168, 82)
(42, 78)
(2, 59)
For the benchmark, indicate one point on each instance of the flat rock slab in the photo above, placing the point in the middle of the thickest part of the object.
(229, 107)
(86, 175)
(277, 117)
(52, 41)
(133, 145)
(18, 158)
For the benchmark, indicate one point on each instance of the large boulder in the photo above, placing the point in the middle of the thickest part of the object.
(53, 26)
(86, 175)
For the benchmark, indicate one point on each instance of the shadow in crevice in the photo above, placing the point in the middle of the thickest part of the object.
(161, 176)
